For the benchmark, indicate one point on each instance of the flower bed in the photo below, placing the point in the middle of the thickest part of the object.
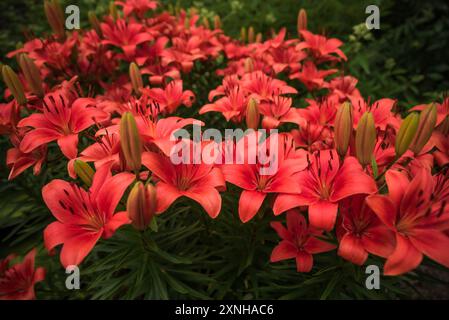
(93, 114)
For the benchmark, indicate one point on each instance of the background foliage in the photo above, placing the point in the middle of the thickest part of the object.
(406, 59)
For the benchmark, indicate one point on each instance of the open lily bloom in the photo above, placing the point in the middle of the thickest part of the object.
(417, 221)
(324, 184)
(201, 183)
(299, 242)
(61, 120)
(84, 216)
(17, 281)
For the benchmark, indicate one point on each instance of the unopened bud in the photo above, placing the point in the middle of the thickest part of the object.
(406, 133)
(94, 22)
(217, 22)
(251, 34)
(193, 11)
(141, 205)
(55, 17)
(136, 78)
(13, 83)
(32, 75)
(187, 22)
(365, 138)
(84, 171)
(206, 23)
(302, 21)
(252, 114)
(243, 34)
(249, 65)
(259, 38)
(130, 141)
(427, 122)
(343, 128)
(113, 10)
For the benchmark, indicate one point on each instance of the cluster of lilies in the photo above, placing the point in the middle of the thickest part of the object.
(353, 175)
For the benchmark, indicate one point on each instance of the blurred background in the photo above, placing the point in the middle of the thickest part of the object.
(406, 59)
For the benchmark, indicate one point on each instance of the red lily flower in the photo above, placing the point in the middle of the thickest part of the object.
(321, 47)
(384, 154)
(154, 132)
(441, 142)
(344, 88)
(361, 232)
(321, 111)
(279, 111)
(180, 58)
(125, 36)
(263, 87)
(417, 219)
(150, 53)
(284, 58)
(442, 110)
(232, 106)
(323, 185)
(234, 50)
(106, 151)
(94, 59)
(172, 96)
(278, 40)
(137, 6)
(84, 216)
(257, 186)
(299, 241)
(311, 77)
(313, 137)
(9, 116)
(50, 55)
(381, 110)
(159, 73)
(229, 82)
(61, 120)
(199, 182)
(160, 133)
(17, 281)
(19, 161)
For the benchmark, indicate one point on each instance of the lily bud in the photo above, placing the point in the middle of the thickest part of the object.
(32, 75)
(302, 21)
(141, 205)
(252, 114)
(187, 22)
(243, 34)
(113, 10)
(249, 65)
(251, 34)
(365, 138)
(406, 133)
(259, 38)
(206, 23)
(193, 11)
(427, 122)
(84, 171)
(130, 141)
(136, 78)
(55, 17)
(13, 83)
(343, 128)
(94, 22)
(217, 22)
